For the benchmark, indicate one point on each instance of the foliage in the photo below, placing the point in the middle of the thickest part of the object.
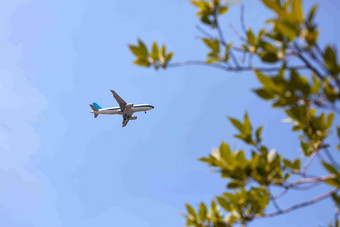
(286, 51)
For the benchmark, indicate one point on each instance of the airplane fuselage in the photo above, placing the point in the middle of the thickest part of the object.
(130, 109)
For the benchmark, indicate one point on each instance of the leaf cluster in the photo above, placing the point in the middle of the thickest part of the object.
(209, 10)
(309, 100)
(157, 57)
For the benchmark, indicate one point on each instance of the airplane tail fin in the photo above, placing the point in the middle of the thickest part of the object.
(94, 107)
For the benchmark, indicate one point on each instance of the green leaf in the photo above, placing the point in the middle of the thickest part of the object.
(269, 57)
(330, 120)
(226, 53)
(236, 123)
(316, 85)
(169, 56)
(223, 10)
(191, 210)
(331, 169)
(276, 7)
(268, 47)
(225, 153)
(213, 44)
(297, 164)
(297, 10)
(266, 81)
(246, 124)
(135, 50)
(330, 92)
(333, 182)
(251, 37)
(235, 184)
(224, 203)
(142, 62)
(330, 60)
(142, 48)
(336, 199)
(202, 212)
(258, 134)
(264, 93)
(312, 13)
(155, 52)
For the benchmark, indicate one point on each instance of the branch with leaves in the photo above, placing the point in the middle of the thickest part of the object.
(286, 51)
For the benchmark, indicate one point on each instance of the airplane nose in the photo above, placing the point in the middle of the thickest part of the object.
(152, 107)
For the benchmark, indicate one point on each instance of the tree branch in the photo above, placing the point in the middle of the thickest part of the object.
(300, 205)
(331, 159)
(309, 161)
(299, 54)
(221, 37)
(243, 24)
(309, 180)
(230, 68)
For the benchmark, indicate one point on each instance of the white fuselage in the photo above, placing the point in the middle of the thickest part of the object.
(127, 111)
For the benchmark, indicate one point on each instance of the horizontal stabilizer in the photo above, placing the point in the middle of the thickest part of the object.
(95, 115)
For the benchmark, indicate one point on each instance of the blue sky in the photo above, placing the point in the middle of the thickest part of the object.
(61, 167)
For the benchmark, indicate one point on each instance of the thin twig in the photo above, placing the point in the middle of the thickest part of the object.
(309, 161)
(310, 180)
(281, 194)
(201, 30)
(306, 187)
(331, 159)
(230, 68)
(300, 55)
(237, 33)
(320, 157)
(185, 63)
(221, 37)
(276, 205)
(219, 31)
(300, 205)
(243, 24)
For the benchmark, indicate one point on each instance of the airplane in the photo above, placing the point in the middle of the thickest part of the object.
(124, 109)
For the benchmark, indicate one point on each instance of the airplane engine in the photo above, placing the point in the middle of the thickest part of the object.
(133, 118)
(128, 105)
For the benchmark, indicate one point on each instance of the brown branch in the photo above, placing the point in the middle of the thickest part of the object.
(310, 180)
(309, 161)
(230, 68)
(204, 32)
(221, 37)
(331, 158)
(276, 205)
(219, 31)
(302, 58)
(300, 205)
(308, 186)
(186, 63)
(281, 194)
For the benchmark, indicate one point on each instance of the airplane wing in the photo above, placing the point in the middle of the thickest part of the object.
(125, 121)
(120, 101)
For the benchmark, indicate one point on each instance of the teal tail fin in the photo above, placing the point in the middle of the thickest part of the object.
(96, 105)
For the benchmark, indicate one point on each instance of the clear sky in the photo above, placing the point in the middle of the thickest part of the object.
(60, 167)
